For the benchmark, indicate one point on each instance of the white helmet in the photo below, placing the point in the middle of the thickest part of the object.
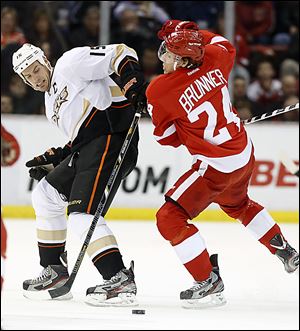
(25, 56)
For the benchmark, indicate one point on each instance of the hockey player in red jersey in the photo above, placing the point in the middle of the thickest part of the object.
(10, 152)
(190, 105)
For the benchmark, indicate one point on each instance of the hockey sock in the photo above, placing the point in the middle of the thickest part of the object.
(109, 262)
(185, 239)
(50, 253)
(265, 240)
(200, 267)
(260, 223)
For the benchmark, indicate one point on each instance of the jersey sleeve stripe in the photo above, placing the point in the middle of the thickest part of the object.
(128, 60)
(218, 39)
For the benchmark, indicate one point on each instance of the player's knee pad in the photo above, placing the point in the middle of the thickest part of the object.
(171, 221)
(80, 223)
(46, 201)
(162, 221)
(166, 220)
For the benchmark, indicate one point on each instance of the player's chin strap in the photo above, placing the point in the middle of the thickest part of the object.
(177, 59)
(271, 114)
(175, 65)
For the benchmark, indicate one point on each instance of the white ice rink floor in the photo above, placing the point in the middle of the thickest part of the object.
(260, 294)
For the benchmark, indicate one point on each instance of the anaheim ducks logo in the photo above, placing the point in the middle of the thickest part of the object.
(60, 99)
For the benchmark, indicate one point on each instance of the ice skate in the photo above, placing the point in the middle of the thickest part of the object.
(207, 293)
(287, 254)
(51, 277)
(120, 290)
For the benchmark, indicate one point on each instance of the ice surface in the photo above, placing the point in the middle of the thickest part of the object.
(260, 294)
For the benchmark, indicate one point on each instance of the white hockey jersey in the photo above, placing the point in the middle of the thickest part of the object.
(80, 82)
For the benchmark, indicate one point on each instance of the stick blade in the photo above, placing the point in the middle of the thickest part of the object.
(60, 291)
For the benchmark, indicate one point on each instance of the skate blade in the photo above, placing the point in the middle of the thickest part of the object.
(122, 300)
(212, 300)
(44, 295)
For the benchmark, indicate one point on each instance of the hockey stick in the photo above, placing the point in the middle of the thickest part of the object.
(289, 164)
(271, 114)
(58, 292)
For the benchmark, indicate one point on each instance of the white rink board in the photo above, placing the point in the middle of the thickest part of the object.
(159, 166)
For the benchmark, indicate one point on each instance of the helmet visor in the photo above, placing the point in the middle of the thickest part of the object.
(165, 55)
(162, 51)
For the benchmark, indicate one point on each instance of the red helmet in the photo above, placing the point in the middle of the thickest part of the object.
(175, 25)
(186, 43)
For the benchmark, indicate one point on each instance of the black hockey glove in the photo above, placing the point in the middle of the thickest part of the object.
(38, 173)
(137, 96)
(133, 84)
(51, 156)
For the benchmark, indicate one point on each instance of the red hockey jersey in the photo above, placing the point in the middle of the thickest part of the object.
(192, 107)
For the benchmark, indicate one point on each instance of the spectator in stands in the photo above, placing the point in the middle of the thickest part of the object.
(147, 9)
(242, 50)
(76, 12)
(42, 35)
(239, 89)
(293, 49)
(255, 20)
(291, 116)
(88, 33)
(287, 21)
(150, 63)
(265, 90)
(204, 13)
(132, 31)
(25, 9)
(289, 67)
(243, 108)
(241, 102)
(10, 31)
(6, 104)
(24, 100)
(6, 66)
(289, 96)
(290, 86)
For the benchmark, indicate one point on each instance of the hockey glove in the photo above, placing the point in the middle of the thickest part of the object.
(132, 82)
(51, 156)
(38, 173)
(138, 98)
(137, 94)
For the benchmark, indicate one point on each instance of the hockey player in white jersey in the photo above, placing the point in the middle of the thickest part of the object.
(90, 95)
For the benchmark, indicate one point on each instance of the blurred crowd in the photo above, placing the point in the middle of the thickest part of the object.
(266, 73)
